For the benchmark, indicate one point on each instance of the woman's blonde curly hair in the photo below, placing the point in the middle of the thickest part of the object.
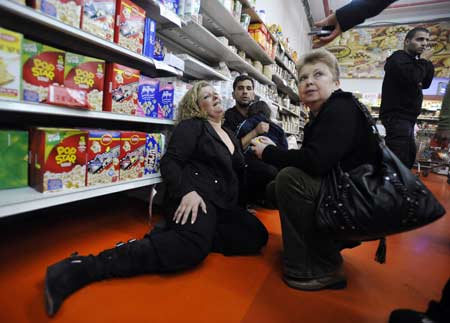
(188, 107)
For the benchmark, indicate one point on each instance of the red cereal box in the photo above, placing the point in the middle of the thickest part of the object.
(132, 154)
(121, 85)
(57, 159)
(103, 157)
(60, 95)
(42, 66)
(98, 18)
(130, 23)
(86, 74)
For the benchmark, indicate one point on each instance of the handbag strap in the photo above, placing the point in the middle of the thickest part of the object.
(370, 120)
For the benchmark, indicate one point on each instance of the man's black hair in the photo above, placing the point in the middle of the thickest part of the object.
(259, 107)
(410, 35)
(241, 78)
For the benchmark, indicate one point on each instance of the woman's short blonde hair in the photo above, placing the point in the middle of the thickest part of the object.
(320, 56)
(188, 107)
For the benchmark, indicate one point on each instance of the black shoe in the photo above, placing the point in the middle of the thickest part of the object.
(409, 316)
(65, 277)
(333, 281)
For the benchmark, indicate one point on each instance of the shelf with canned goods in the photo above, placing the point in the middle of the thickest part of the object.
(221, 22)
(198, 41)
(284, 88)
(281, 63)
(199, 70)
(284, 110)
(48, 30)
(19, 200)
(52, 110)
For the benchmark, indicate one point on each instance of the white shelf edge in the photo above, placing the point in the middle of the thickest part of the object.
(41, 108)
(19, 200)
(198, 64)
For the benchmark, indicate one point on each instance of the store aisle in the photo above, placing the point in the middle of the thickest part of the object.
(222, 289)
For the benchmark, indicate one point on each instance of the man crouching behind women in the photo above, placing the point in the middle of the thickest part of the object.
(202, 169)
(338, 132)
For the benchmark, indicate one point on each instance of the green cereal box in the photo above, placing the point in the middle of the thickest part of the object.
(42, 66)
(13, 158)
(87, 74)
(57, 159)
(10, 65)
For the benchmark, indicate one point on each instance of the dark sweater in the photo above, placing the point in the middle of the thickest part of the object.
(357, 11)
(233, 118)
(339, 133)
(405, 77)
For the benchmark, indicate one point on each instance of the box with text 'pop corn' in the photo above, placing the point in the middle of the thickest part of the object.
(98, 18)
(121, 84)
(165, 100)
(42, 66)
(57, 159)
(67, 11)
(103, 151)
(86, 74)
(132, 154)
(130, 24)
(148, 91)
(154, 150)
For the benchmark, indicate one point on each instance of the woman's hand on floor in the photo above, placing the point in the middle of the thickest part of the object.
(189, 204)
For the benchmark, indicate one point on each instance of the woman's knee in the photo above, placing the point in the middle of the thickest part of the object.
(292, 180)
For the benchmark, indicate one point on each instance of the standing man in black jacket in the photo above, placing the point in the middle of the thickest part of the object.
(407, 72)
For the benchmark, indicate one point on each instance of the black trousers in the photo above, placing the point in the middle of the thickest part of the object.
(177, 247)
(259, 174)
(400, 139)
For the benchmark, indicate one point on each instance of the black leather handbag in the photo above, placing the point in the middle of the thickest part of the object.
(373, 201)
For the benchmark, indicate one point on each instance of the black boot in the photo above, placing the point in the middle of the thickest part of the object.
(125, 260)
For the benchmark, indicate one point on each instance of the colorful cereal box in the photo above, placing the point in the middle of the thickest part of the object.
(103, 157)
(10, 65)
(130, 21)
(42, 66)
(165, 100)
(98, 18)
(87, 74)
(57, 159)
(153, 152)
(60, 95)
(148, 91)
(120, 94)
(13, 158)
(149, 37)
(68, 11)
(132, 154)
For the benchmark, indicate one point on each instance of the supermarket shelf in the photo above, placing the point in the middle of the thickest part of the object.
(281, 63)
(50, 31)
(195, 68)
(40, 108)
(255, 18)
(19, 200)
(164, 17)
(197, 39)
(220, 21)
(285, 110)
(288, 133)
(281, 85)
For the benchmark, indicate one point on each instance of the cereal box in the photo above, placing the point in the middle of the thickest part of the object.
(60, 95)
(158, 49)
(120, 94)
(153, 152)
(148, 91)
(42, 66)
(149, 37)
(165, 100)
(98, 18)
(130, 21)
(132, 154)
(10, 65)
(13, 158)
(57, 159)
(86, 73)
(68, 11)
(103, 157)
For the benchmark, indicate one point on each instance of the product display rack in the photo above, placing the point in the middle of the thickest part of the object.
(284, 88)
(164, 17)
(48, 30)
(18, 200)
(199, 70)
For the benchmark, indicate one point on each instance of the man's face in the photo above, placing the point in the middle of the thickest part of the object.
(244, 94)
(417, 44)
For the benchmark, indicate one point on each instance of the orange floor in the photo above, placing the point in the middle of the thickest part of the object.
(222, 289)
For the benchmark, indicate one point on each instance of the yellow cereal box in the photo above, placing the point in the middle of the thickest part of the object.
(10, 65)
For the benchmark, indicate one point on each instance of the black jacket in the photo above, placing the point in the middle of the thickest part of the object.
(358, 10)
(339, 133)
(197, 160)
(233, 119)
(405, 77)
